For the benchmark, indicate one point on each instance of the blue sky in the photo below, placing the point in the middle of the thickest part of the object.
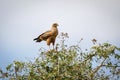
(23, 20)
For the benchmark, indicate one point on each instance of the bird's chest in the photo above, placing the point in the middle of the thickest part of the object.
(55, 33)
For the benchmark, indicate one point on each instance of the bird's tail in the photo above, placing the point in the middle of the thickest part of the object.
(37, 40)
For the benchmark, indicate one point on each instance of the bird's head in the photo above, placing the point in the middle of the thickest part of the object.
(55, 24)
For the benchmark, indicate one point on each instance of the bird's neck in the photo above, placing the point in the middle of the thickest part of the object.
(54, 29)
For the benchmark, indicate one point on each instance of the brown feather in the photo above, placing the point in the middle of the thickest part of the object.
(49, 36)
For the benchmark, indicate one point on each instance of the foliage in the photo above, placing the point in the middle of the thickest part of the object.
(102, 62)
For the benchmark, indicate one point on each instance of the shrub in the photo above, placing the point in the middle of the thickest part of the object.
(69, 63)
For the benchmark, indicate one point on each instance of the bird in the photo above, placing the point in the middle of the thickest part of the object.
(49, 36)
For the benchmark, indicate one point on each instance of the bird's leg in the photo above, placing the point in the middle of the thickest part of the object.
(53, 47)
(49, 48)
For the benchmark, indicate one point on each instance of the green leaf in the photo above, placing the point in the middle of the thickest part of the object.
(9, 66)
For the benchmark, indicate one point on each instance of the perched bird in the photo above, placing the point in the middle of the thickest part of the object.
(48, 36)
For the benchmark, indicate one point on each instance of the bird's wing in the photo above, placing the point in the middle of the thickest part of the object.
(45, 35)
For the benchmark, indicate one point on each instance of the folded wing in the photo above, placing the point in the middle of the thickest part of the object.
(44, 36)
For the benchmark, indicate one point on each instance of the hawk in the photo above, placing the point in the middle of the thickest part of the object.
(49, 36)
